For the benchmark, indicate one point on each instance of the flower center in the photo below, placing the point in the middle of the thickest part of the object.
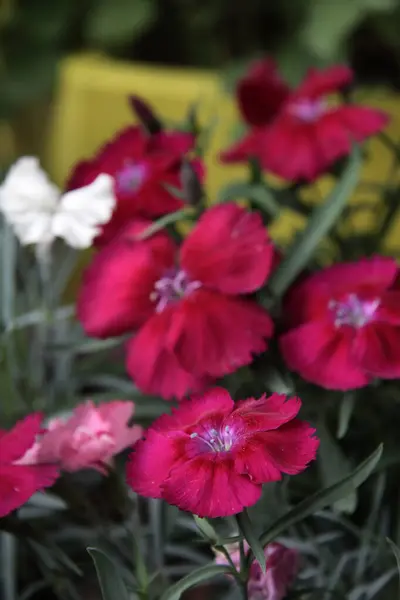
(307, 110)
(215, 440)
(131, 177)
(174, 286)
(353, 311)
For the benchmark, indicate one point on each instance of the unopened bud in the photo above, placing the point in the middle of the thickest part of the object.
(191, 185)
(145, 115)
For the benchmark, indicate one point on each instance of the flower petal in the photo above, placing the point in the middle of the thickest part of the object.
(209, 488)
(318, 83)
(323, 355)
(19, 483)
(27, 188)
(228, 250)
(82, 211)
(215, 401)
(150, 463)
(377, 349)
(18, 440)
(261, 93)
(266, 413)
(118, 415)
(244, 149)
(212, 334)
(115, 296)
(153, 367)
(361, 122)
(288, 449)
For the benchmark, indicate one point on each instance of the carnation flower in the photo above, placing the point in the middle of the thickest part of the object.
(295, 133)
(39, 213)
(142, 167)
(282, 565)
(211, 456)
(344, 324)
(19, 477)
(193, 323)
(90, 438)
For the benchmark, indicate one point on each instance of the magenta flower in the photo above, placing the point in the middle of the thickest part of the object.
(91, 437)
(190, 307)
(211, 456)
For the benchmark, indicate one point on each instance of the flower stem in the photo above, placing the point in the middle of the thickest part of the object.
(45, 327)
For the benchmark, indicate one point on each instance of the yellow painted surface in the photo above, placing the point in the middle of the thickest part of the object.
(91, 105)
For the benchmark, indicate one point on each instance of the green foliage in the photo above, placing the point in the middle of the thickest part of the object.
(329, 24)
(111, 583)
(117, 22)
(322, 221)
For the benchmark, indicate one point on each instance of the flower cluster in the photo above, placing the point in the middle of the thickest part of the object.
(193, 309)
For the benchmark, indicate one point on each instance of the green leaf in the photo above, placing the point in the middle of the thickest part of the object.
(323, 498)
(110, 580)
(251, 537)
(319, 224)
(175, 591)
(162, 222)
(257, 194)
(346, 409)
(206, 529)
(330, 23)
(116, 22)
(333, 466)
(396, 552)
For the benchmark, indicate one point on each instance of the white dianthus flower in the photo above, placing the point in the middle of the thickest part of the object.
(39, 212)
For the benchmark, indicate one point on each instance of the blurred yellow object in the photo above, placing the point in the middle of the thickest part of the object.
(91, 105)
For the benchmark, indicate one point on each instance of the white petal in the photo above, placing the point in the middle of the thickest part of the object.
(27, 188)
(82, 211)
(75, 232)
(94, 203)
(34, 228)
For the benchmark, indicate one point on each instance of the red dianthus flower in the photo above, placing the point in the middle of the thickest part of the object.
(143, 166)
(344, 324)
(211, 456)
(188, 307)
(295, 133)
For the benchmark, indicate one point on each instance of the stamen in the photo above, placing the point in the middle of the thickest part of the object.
(353, 311)
(171, 288)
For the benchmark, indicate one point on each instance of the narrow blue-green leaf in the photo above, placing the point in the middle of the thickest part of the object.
(110, 580)
(163, 222)
(8, 566)
(334, 466)
(206, 529)
(198, 576)
(319, 224)
(346, 409)
(323, 498)
(396, 552)
(257, 193)
(251, 537)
